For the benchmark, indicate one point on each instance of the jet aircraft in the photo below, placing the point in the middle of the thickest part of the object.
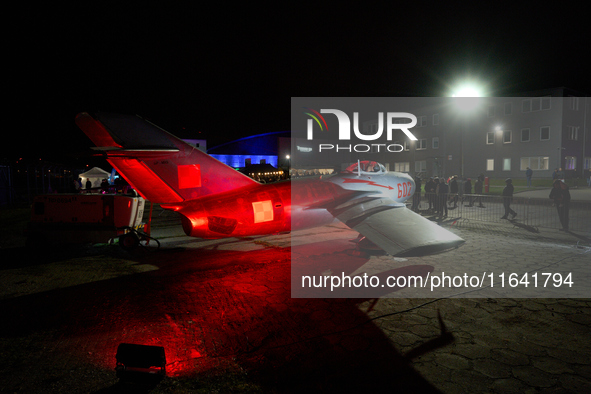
(216, 201)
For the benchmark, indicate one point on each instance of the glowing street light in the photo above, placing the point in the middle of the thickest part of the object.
(466, 99)
(467, 91)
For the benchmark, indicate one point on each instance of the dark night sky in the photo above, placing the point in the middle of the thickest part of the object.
(228, 72)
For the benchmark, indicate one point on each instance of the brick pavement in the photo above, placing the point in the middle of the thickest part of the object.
(225, 304)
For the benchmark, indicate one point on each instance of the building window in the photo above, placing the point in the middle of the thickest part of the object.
(491, 111)
(508, 108)
(545, 133)
(536, 104)
(535, 163)
(524, 135)
(422, 121)
(401, 167)
(573, 103)
(490, 164)
(572, 132)
(435, 143)
(420, 166)
(506, 136)
(506, 164)
(490, 138)
(435, 119)
(587, 163)
(570, 163)
(422, 144)
(406, 145)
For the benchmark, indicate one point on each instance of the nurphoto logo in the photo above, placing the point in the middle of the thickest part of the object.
(392, 123)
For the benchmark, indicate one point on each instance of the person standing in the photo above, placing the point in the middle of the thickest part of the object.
(507, 198)
(442, 192)
(528, 174)
(468, 192)
(560, 174)
(416, 198)
(561, 196)
(430, 193)
(453, 190)
(478, 190)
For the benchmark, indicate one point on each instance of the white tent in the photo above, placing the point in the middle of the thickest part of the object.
(96, 176)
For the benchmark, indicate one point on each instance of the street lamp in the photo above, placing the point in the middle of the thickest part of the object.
(466, 99)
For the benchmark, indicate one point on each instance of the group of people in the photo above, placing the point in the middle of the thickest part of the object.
(119, 186)
(442, 193)
(439, 195)
(560, 194)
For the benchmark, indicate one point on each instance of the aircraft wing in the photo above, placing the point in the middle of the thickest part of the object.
(395, 228)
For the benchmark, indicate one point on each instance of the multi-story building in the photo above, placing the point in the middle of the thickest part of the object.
(498, 137)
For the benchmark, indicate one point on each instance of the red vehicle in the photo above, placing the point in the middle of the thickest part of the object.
(82, 218)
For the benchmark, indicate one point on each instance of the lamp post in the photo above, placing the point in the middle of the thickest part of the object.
(498, 135)
(466, 99)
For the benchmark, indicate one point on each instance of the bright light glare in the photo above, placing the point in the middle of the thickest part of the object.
(466, 97)
(467, 91)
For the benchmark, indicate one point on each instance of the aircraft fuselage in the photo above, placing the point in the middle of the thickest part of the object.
(283, 206)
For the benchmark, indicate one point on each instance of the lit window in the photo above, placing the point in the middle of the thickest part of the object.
(535, 163)
(506, 164)
(401, 167)
(421, 166)
(490, 164)
(572, 132)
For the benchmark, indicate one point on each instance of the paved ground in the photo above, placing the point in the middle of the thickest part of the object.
(582, 193)
(223, 308)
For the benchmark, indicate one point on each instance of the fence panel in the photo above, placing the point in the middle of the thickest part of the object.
(532, 212)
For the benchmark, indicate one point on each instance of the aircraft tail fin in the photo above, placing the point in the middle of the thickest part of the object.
(160, 166)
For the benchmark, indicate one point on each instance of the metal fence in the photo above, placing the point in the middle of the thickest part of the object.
(532, 213)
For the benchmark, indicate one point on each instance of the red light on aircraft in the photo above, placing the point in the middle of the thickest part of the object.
(218, 202)
(189, 176)
(263, 211)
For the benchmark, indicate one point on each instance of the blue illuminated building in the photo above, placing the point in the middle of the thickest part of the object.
(270, 148)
